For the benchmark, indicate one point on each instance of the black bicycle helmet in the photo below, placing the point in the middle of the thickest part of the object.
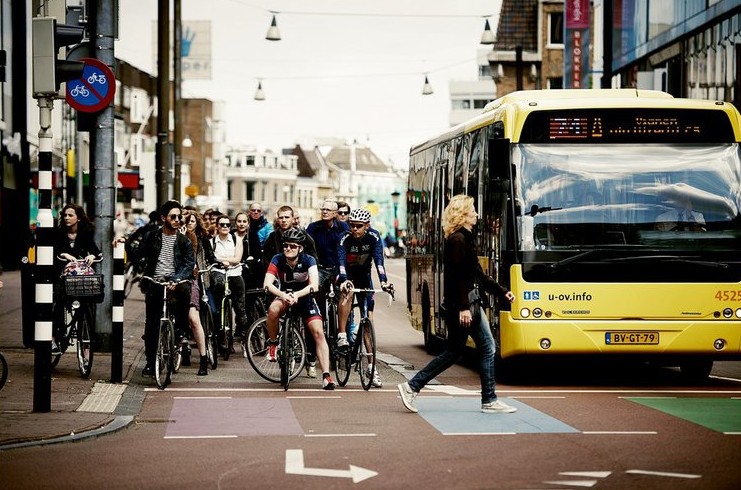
(293, 235)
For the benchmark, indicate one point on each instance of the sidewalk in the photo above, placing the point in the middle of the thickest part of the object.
(79, 407)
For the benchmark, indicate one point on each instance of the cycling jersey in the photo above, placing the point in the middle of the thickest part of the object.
(355, 255)
(295, 279)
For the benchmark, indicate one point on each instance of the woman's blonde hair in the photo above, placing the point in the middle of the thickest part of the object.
(454, 215)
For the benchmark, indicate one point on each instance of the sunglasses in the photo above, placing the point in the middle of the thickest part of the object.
(343, 213)
(355, 226)
(174, 217)
(224, 225)
(255, 210)
(290, 246)
(326, 210)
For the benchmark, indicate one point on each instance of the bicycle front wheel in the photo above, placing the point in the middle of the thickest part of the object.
(3, 370)
(226, 328)
(342, 362)
(291, 354)
(256, 347)
(366, 352)
(163, 360)
(212, 340)
(85, 332)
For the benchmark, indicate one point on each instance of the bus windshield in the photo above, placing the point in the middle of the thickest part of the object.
(664, 196)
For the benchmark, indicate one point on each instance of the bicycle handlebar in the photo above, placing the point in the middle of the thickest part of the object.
(389, 289)
(164, 283)
(218, 267)
(65, 259)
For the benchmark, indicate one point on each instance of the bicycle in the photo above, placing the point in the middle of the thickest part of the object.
(3, 370)
(291, 348)
(337, 357)
(207, 321)
(167, 347)
(132, 275)
(80, 293)
(362, 352)
(226, 309)
(255, 311)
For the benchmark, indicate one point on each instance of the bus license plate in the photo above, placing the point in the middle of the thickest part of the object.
(634, 338)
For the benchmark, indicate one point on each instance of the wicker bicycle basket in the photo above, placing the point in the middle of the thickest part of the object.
(84, 287)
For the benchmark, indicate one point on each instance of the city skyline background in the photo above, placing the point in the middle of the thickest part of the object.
(341, 70)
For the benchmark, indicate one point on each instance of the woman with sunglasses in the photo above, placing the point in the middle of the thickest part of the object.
(228, 251)
(296, 272)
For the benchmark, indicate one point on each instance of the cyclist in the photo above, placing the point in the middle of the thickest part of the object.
(169, 256)
(355, 252)
(285, 220)
(296, 272)
(228, 251)
(73, 240)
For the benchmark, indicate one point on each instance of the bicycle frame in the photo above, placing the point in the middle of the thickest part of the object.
(225, 320)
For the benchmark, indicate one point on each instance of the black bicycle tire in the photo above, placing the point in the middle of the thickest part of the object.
(162, 356)
(283, 355)
(366, 332)
(226, 327)
(55, 358)
(128, 280)
(331, 335)
(212, 341)
(177, 353)
(85, 335)
(3, 370)
(298, 352)
(342, 366)
(257, 351)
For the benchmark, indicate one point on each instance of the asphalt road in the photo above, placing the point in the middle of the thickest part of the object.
(590, 426)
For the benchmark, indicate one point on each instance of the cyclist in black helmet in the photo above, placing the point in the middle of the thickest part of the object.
(291, 277)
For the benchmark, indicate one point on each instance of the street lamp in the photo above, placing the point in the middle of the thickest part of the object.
(395, 200)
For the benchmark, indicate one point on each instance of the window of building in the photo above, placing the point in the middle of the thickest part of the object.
(480, 103)
(249, 191)
(555, 29)
(555, 82)
(461, 104)
(249, 160)
(484, 72)
(228, 190)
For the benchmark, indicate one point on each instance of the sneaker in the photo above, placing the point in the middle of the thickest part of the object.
(311, 370)
(272, 352)
(342, 343)
(376, 382)
(148, 370)
(55, 350)
(497, 407)
(327, 383)
(408, 397)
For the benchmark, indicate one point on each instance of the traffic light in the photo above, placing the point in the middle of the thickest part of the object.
(49, 72)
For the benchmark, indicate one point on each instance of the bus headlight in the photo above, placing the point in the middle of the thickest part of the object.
(537, 312)
(525, 313)
(738, 313)
(727, 313)
(719, 344)
(545, 344)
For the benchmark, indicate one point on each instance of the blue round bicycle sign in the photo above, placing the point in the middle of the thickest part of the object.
(94, 91)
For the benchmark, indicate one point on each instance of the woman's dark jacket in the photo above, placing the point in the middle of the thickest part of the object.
(84, 245)
(463, 271)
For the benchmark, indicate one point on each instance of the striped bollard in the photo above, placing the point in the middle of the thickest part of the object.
(117, 314)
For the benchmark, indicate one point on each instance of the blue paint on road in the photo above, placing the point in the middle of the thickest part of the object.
(463, 416)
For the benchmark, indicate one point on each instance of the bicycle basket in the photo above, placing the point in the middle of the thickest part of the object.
(84, 287)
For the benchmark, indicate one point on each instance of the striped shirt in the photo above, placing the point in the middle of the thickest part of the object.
(166, 261)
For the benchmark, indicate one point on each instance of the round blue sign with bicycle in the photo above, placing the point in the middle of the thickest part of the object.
(94, 91)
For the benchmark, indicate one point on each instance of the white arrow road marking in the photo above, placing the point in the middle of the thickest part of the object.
(662, 473)
(574, 483)
(295, 466)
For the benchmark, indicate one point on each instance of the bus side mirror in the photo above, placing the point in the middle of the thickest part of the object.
(499, 164)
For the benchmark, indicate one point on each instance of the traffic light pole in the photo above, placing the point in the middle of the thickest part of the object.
(44, 265)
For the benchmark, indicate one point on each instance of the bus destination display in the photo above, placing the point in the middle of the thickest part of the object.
(627, 126)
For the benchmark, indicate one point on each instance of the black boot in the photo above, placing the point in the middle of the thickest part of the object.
(203, 369)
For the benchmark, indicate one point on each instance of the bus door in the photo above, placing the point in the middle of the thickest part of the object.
(439, 200)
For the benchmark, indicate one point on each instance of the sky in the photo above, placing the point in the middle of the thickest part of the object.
(349, 69)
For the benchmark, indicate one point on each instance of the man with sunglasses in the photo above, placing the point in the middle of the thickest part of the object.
(355, 252)
(291, 277)
(169, 256)
(343, 211)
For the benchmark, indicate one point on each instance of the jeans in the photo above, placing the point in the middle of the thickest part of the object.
(153, 308)
(457, 336)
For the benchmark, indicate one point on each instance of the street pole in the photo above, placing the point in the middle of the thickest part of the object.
(162, 175)
(44, 269)
(177, 134)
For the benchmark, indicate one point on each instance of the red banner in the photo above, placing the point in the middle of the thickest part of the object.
(577, 14)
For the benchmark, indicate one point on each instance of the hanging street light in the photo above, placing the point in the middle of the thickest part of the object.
(273, 32)
(259, 93)
(427, 88)
(487, 37)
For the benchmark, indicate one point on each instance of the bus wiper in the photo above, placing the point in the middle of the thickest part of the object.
(557, 265)
(535, 209)
(670, 258)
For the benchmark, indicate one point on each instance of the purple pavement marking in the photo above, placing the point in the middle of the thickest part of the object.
(204, 417)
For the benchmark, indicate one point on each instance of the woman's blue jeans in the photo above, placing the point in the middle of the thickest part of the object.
(457, 336)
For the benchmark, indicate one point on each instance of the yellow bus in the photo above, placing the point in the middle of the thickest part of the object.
(612, 215)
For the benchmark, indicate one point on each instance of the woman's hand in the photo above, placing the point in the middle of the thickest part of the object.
(89, 259)
(464, 318)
